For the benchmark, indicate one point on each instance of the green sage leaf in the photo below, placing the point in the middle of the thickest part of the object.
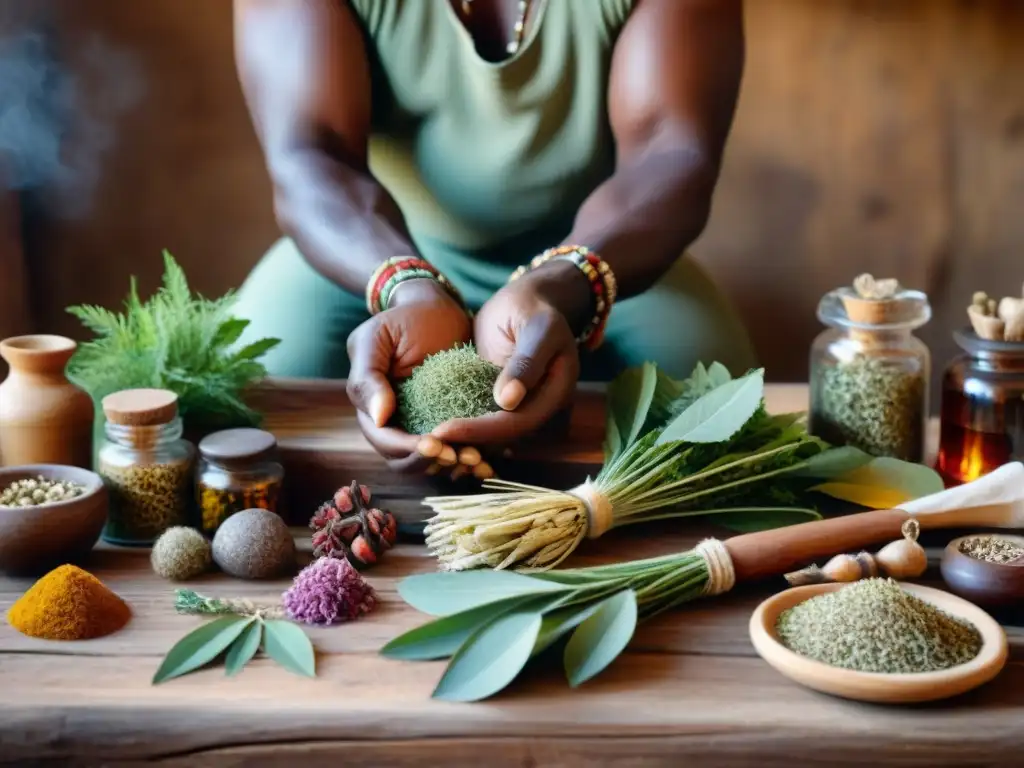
(557, 623)
(243, 649)
(833, 463)
(443, 594)
(201, 646)
(718, 374)
(600, 638)
(440, 638)
(289, 646)
(883, 483)
(490, 659)
(629, 400)
(718, 415)
(612, 441)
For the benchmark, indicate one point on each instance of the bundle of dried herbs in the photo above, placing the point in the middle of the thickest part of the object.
(176, 341)
(492, 623)
(702, 446)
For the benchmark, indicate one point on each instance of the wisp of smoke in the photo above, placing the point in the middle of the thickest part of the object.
(56, 125)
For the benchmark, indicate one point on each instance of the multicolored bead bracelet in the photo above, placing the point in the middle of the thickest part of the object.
(397, 270)
(602, 284)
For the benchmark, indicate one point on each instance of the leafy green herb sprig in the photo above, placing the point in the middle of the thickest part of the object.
(175, 340)
(240, 630)
(699, 447)
(491, 623)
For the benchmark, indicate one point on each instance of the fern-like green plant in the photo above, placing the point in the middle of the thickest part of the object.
(177, 341)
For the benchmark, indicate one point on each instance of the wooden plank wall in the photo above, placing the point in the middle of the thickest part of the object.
(872, 135)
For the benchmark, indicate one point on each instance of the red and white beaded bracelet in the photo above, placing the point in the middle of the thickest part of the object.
(602, 284)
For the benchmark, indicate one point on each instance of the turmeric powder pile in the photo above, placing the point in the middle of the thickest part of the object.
(68, 604)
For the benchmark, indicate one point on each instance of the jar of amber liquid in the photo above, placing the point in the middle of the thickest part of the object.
(238, 470)
(982, 408)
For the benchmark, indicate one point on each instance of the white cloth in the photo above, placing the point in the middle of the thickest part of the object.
(995, 500)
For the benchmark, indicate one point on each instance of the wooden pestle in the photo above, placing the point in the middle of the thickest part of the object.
(781, 550)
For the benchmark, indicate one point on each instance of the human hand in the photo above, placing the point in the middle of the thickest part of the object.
(423, 319)
(527, 329)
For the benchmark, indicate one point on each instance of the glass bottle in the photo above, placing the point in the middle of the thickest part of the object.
(869, 374)
(982, 425)
(146, 465)
(238, 470)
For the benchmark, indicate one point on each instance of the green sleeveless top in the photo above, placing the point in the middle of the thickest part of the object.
(490, 160)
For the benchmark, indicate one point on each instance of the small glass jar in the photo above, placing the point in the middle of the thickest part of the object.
(237, 470)
(869, 374)
(146, 466)
(982, 408)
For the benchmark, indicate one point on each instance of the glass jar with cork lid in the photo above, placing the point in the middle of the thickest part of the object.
(238, 470)
(869, 374)
(146, 465)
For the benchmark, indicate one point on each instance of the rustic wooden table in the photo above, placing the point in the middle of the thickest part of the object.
(689, 690)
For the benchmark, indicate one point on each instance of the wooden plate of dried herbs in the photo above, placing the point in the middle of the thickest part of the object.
(878, 640)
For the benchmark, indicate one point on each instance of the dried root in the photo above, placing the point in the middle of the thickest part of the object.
(984, 317)
(997, 320)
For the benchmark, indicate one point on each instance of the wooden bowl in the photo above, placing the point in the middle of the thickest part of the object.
(902, 688)
(991, 584)
(35, 539)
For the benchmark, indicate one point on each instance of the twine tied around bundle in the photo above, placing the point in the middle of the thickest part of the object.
(721, 574)
(598, 507)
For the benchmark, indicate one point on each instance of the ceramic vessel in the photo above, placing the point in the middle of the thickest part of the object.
(35, 539)
(995, 585)
(44, 418)
(907, 688)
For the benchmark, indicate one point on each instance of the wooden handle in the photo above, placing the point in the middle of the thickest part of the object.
(771, 553)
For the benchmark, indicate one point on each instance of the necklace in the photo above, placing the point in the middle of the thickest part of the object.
(518, 29)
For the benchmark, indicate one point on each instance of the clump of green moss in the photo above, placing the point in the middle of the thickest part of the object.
(455, 384)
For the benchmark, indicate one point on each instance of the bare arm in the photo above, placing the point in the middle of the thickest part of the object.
(305, 75)
(675, 79)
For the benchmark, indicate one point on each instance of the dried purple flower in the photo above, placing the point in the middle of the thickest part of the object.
(328, 591)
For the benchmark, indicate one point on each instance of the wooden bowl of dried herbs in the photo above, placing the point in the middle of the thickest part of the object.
(50, 514)
(878, 640)
(986, 568)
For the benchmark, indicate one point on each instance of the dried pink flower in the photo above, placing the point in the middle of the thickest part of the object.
(328, 591)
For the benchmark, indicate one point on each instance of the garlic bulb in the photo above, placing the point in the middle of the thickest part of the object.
(902, 559)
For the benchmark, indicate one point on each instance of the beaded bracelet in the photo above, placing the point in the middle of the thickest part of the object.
(397, 270)
(602, 284)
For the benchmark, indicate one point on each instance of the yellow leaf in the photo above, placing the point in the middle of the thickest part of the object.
(872, 497)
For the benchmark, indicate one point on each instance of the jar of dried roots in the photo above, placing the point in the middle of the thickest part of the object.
(146, 465)
(238, 470)
(869, 374)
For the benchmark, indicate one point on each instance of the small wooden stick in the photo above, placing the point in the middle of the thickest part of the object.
(771, 553)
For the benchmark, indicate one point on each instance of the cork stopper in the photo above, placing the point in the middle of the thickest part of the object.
(141, 407)
(874, 302)
(233, 445)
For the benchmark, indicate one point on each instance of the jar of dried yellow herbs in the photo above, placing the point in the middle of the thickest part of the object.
(238, 470)
(146, 465)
